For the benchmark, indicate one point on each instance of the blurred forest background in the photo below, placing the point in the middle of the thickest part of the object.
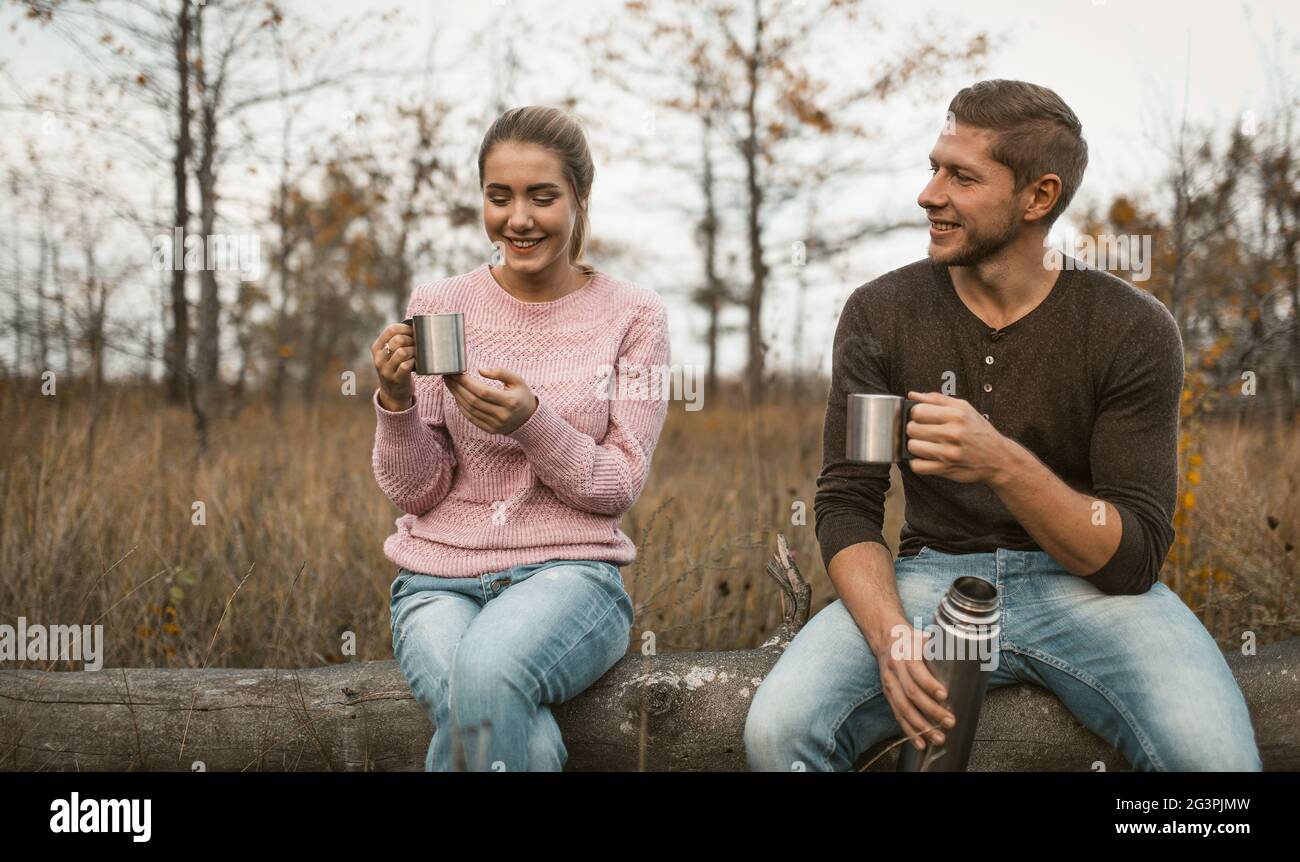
(129, 391)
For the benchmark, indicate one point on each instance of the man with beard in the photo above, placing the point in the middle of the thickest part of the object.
(1043, 460)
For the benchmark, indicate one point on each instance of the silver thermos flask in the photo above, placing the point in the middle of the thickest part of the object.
(967, 621)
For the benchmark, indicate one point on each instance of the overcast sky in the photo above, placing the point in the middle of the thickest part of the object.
(1126, 68)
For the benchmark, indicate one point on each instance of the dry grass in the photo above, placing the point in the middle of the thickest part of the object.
(99, 527)
(1235, 560)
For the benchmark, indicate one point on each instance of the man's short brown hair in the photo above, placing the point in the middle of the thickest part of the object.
(1036, 133)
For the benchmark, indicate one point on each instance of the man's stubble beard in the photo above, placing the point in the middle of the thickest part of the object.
(980, 247)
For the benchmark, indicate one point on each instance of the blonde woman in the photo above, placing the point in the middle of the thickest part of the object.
(514, 475)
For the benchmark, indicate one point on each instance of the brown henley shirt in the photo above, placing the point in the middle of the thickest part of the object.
(1089, 381)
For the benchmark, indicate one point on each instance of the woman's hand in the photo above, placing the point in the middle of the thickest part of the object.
(497, 411)
(396, 390)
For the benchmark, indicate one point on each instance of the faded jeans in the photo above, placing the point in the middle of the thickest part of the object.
(485, 656)
(1140, 671)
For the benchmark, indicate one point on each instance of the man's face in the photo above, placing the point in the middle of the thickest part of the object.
(970, 199)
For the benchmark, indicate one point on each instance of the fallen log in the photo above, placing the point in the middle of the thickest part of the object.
(677, 711)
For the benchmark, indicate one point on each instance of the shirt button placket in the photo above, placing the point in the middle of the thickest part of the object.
(994, 335)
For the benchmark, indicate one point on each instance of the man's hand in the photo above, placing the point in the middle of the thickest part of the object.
(497, 411)
(918, 700)
(947, 437)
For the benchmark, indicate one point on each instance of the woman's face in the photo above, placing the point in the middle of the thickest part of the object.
(528, 208)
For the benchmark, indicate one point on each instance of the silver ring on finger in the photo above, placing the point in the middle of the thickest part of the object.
(388, 351)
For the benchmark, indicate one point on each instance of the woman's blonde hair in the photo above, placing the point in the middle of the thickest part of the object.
(561, 133)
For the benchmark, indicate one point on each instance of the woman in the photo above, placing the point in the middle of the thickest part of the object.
(508, 595)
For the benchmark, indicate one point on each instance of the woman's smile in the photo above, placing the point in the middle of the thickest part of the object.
(524, 246)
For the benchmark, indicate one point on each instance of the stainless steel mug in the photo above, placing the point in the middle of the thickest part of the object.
(439, 343)
(968, 621)
(877, 428)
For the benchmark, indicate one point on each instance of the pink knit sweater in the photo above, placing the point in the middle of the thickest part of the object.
(558, 485)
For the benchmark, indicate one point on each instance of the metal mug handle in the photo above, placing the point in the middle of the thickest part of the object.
(410, 321)
(908, 404)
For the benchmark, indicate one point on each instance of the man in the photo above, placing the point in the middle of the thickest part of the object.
(1044, 461)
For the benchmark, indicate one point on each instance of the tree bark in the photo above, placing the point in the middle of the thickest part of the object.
(754, 225)
(678, 711)
(178, 344)
(362, 716)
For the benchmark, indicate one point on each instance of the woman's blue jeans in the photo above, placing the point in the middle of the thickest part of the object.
(485, 655)
(1139, 671)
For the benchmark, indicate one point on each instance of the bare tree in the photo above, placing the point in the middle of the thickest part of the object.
(754, 71)
(178, 378)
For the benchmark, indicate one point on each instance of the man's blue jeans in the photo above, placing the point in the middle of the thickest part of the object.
(1140, 671)
(485, 655)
